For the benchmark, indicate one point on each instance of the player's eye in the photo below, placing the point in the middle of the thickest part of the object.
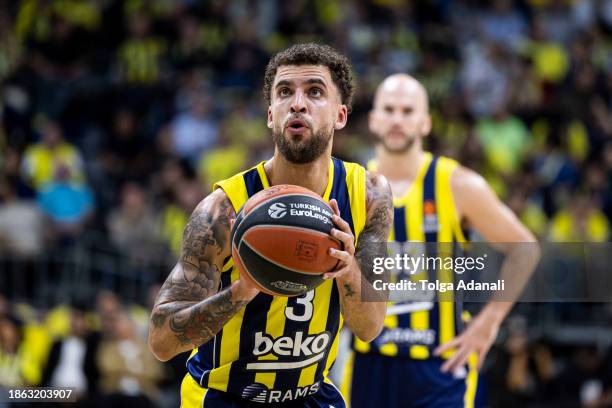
(407, 111)
(388, 109)
(316, 92)
(284, 92)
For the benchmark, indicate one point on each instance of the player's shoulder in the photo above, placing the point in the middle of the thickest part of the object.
(466, 179)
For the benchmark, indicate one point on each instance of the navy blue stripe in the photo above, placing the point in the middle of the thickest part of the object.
(429, 196)
(340, 192)
(201, 363)
(255, 314)
(333, 322)
(252, 181)
(254, 320)
(458, 250)
(399, 224)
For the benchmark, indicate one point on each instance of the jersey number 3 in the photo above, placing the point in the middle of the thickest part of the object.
(304, 312)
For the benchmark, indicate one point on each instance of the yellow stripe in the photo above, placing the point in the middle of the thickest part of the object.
(361, 346)
(230, 346)
(356, 185)
(333, 352)
(445, 235)
(317, 325)
(389, 349)
(275, 326)
(330, 180)
(192, 395)
(471, 382)
(347, 380)
(262, 175)
(235, 189)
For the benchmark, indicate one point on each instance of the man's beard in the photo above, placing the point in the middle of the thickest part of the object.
(306, 150)
(406, 146)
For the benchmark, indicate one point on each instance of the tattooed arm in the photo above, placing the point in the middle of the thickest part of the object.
(354, 279)
(189, 310)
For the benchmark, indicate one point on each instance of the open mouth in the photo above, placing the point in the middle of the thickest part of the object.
(296, 125)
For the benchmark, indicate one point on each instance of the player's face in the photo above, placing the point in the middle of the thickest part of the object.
(399, 117)
(305, 109)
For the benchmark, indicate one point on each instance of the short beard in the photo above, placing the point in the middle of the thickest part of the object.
(398, 150)
(305, 151)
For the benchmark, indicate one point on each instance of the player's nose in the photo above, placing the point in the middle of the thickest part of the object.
(298, 103)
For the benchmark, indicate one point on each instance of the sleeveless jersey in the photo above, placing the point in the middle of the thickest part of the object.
(277, 346)
(426, 213)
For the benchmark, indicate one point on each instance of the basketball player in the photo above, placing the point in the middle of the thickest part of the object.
(249, 347)
(420, 357)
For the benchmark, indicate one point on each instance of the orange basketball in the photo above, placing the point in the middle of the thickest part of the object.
(281, 240)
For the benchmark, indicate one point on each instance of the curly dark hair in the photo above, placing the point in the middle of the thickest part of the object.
(313, 54)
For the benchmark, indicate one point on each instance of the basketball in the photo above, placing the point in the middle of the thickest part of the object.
(281, 239)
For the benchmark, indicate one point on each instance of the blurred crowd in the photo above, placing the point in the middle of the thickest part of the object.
(117, 116)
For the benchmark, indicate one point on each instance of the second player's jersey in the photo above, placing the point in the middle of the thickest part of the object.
(279, 349)
(426, 213)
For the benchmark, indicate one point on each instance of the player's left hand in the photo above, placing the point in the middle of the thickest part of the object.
(477, 337)
(346, 256)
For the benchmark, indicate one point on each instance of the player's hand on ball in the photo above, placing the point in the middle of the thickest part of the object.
(477, 337)
(342, 232)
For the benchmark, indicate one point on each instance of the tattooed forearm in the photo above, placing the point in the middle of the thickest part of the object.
(188, 310)
(203, 321)
(363, 307)
(348, 290)
(373, 240)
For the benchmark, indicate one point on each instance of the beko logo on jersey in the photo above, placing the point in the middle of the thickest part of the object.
(291, 346)
(277, 210)
(299, 345)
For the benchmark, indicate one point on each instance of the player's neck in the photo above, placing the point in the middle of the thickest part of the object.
(313, 176)
(400, 166)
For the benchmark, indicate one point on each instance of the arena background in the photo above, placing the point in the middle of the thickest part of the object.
(146, 103)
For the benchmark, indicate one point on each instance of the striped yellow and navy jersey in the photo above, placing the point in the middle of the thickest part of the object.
(277, 348)
(425, 214)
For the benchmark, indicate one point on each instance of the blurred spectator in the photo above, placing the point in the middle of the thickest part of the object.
(140, 55)
(41, 160)
(126, 154)
(504, 139)
(174, 217)
(108, 308)
(10, 47)
(133, 226)
(71, 361)
(11, 365)
(504, 23)
(22, 228)
(582, 221)
(484, 77)
(194, 131)
(68, 205)
(128, 370)
(523, 373)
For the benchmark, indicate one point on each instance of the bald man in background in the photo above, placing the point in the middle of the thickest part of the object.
(425, 356)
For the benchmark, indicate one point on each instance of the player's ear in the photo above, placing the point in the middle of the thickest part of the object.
(270, 122)
(372, 121)
(341, 118)
(426, 127)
